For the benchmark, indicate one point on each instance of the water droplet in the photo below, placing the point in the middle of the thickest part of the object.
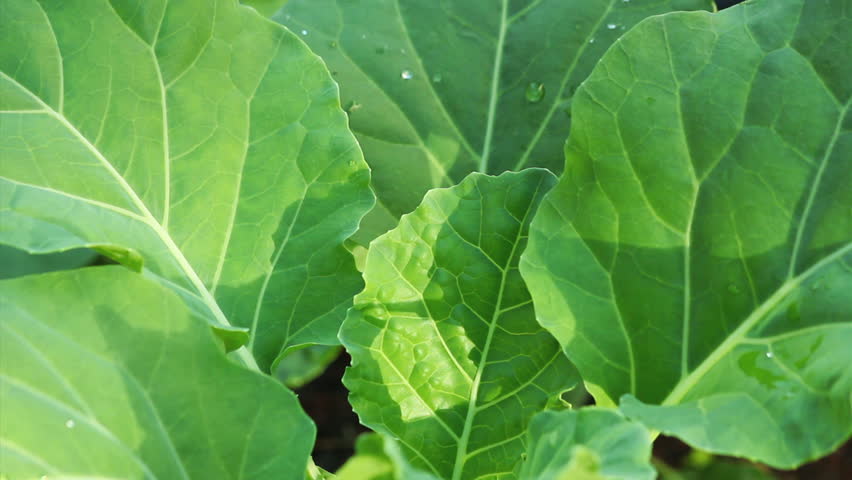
(535, 92)
(769, 354)
(592, 40)
(436, 78)
(363, 36)
(402, 51)
(407, 75)
(352, 163)
(626, 1)
(304, 32)
(332, 44)
(733, 288)
(381, 49)
(611, 26)
(69, 423)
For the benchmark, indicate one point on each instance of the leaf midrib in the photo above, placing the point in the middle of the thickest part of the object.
(472, 410)
(495, 88)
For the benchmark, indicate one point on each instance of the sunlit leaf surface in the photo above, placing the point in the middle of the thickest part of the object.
(447, 357)
(193, 137)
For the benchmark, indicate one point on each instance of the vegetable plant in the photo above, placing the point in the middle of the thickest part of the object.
(408, 192)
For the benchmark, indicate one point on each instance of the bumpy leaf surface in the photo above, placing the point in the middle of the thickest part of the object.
(587, 444)
(447, 357)
(193, 136)
(436, 90)
(696, 252)
(106, 374)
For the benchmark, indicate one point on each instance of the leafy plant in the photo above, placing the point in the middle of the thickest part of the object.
(692, 262)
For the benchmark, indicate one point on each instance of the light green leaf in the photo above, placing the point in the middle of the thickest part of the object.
(696, 252)
(436, 90)
(265, 7)
(378, 457)
(587, 444)
(447, 357)
(193, 135)
(115, 378)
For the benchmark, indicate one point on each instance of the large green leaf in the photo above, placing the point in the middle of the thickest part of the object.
(438, 89)
(696, 252)
(115, 378)
(193, 133)
(447, 357)
(587, 444)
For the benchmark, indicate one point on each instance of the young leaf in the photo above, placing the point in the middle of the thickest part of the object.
(378, 457)
(195, 136)
(447, 357)
(587, 444)
(436, 90)
(696, 252)
(115, 378)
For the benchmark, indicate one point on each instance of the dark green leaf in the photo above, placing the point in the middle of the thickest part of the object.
(697, 252)
(436, 90)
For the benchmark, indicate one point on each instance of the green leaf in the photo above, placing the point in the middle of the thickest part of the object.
(378, 457)
(447, 357)
(194, 135)
(17, 263)
(115, 378)
(265, 7)
(696, 252)
(436, 90)
(300, 366)
(587, 444)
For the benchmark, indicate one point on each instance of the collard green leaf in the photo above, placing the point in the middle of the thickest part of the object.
(115, 378)
(265, 7)
(378, 457)
(587, 444)
(696, 253)
(436, 90)
(447, 357)
(195, 136)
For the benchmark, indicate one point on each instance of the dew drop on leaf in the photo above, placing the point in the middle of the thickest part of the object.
(304, 32)
(592, 40)
(332, 44)
(611, 26)
(535, 92)
(436, 78)
(769, 354)
(406, 75)
(69, 423)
